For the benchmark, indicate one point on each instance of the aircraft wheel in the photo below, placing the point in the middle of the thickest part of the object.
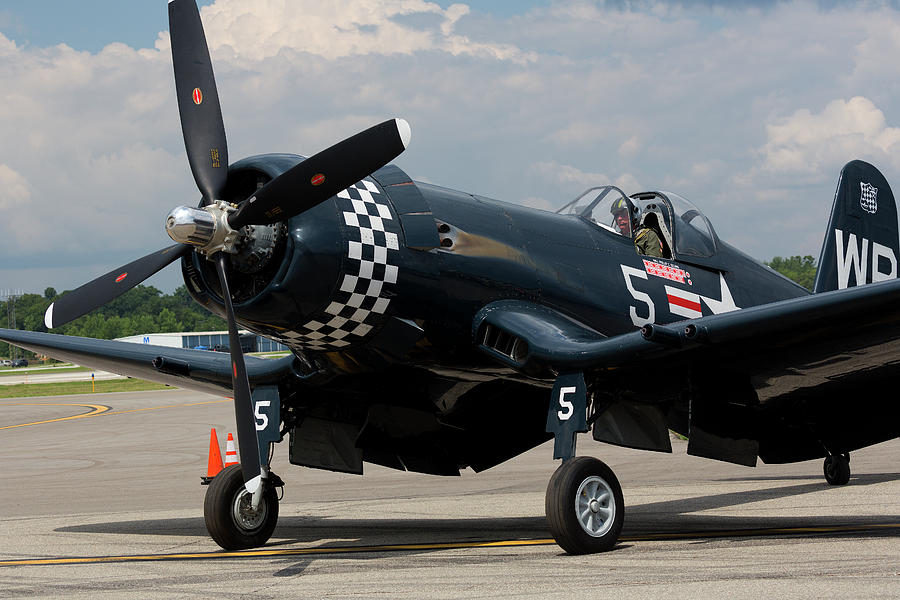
(837, 469)
(230, 520)
(584, 506)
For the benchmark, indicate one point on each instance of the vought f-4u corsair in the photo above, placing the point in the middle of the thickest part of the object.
(433, 330)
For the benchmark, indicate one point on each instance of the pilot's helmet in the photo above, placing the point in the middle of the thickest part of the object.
(618, 206)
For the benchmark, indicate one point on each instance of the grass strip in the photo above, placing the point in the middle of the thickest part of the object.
(26, 390)
(10, 372)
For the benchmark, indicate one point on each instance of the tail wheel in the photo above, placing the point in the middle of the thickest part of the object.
(837, 469)
(584, 506)
(230, 518)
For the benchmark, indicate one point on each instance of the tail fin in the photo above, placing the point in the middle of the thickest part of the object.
(861, 242)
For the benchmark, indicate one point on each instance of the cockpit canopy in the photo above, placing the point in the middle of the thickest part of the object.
(607, 207)
(679, 224)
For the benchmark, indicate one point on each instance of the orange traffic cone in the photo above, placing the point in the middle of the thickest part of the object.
(214, 464)
(231, 457)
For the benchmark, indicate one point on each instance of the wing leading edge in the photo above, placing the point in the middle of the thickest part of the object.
(198, 370)
(787, 381)
(826, 325)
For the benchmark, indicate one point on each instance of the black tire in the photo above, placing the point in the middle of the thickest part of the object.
(223, 504)
(837, 469)
(578, 526)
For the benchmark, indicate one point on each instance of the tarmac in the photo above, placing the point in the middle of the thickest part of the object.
(101, 497)
(41, 374)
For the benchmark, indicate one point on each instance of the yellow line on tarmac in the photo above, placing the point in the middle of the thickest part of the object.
(274, 552)
(134, 410)
(98, 410)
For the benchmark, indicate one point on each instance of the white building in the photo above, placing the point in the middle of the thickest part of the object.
(207, 340)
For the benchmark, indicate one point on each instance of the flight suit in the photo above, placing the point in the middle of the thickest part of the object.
(647, 242)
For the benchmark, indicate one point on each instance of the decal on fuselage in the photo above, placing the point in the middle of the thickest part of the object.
(684, 303)
(680, 302)
(868, 197)
(853, 257)
(667, 271)
(628, 273)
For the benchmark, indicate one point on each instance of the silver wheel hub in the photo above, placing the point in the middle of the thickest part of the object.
(243, 514)
(595, 506)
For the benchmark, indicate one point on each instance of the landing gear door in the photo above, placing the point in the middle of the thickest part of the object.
(567, 414)
(267, 412)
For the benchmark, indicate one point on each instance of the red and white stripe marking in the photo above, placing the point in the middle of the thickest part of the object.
(685, 304)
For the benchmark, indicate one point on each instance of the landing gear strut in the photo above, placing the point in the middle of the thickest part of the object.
(837, 469)
(584, 506)
(230, 518)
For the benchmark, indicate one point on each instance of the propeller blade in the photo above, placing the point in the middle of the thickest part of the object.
(321, 176)
(245, 421)
(101, 290)
(198, 100)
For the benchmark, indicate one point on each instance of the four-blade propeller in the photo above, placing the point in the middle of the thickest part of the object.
(299, 189)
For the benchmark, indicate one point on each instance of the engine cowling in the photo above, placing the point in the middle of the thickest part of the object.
(319, 281)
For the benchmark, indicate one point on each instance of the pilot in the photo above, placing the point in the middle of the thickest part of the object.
(646, 240)
(619, 210)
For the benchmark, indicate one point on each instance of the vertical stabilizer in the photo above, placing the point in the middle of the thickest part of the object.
(861, 242)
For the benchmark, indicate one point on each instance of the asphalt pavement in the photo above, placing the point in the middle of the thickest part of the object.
(101, 497)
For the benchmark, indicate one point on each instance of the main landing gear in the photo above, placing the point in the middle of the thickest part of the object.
(228, 511)
(837, 469)
(584, 506)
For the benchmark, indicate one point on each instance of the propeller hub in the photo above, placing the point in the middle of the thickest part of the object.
(206, 228)
(190, 225)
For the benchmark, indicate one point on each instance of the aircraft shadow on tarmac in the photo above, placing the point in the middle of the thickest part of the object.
(854, 479)
(670, 517)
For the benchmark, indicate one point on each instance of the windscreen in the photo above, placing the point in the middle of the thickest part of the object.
(607, 207)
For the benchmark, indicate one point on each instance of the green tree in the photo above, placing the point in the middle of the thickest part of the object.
(143, 309)
(801, 269)
(167, 321)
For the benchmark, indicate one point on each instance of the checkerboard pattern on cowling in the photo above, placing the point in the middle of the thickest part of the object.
(358, 306)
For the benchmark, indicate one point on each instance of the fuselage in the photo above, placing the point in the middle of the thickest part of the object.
(391, 259)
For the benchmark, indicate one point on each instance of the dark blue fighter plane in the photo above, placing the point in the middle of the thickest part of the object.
(433, 330)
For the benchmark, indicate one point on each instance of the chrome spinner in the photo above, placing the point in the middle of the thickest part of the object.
(205, 228)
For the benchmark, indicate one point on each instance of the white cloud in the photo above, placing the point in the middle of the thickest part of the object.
(568, 174)
(541, 203)
(564, 175)
(7, 46)
(731, 107)
(16, 195)
(262, 29)
(804, 142)
(14, 189)
(630, 147)
(812, 146)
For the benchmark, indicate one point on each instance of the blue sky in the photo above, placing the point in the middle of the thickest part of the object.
(85, 24)
(92, 24)
(748, 112)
